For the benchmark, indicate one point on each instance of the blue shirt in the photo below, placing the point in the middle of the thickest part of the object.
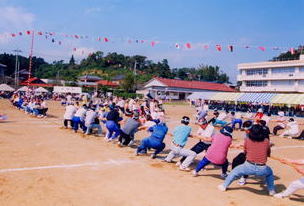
(181, 134)
(159, 131)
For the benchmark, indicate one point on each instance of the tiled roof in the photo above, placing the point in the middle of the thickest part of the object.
(107, 83)
(195, 85)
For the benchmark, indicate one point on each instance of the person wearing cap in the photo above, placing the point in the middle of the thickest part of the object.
(155, 141)
(70, 110)
(281, 123)
(205, 131)
(130, 128)
(259, 115)
(181, 134)
(257, 149)
(292, 129)
(217, 152)
(236, 119)
(78, 118)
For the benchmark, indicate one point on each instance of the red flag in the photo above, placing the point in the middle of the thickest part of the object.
(218, 47)
(177, 46)
(13, 35)
(76, 36)
(188, 45)
(262, 48)
(39, 33)
(28, 32)
(20, 33)
(153, 43)
(105, 39)
(230, 48)
(292, 51)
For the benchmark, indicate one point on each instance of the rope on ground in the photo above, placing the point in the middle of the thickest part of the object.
(287, 163)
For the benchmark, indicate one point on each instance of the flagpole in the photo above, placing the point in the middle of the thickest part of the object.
(31, 56)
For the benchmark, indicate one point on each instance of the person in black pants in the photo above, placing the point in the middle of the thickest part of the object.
(205, 130)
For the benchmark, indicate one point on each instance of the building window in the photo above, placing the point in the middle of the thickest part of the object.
(301, 82)
(256, 72)
(256, 83)
(283, 83)
(283, 70)
(301, 69)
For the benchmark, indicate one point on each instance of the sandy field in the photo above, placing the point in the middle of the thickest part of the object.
(41, 164)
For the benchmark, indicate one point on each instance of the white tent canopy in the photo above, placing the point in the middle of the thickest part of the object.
(6, 88)
(23, 89)
(41, 89)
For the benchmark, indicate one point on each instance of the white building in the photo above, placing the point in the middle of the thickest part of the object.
(272, 76)
(161, 88)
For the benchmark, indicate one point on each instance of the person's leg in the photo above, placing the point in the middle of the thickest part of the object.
(159, 148)
(201, 165)
(276, 129)
(190, 156)
(65, 123)
(240, 122)
(116, 131)
(143, 146)
(198, 148)
(76, 121)
(268, 173)
(89, 128)
(128, 139)
(293, 187)
(225, 167)
(237, 172)
(99, 129)
(174, 151)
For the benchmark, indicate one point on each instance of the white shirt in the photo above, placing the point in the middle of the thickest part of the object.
(294, 127)
(207, 132)
(90, 116)
(70, 110)
(81, 113)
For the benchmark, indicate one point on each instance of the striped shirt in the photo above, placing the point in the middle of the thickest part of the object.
(257, 152)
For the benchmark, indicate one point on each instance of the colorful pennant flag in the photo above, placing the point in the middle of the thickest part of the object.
(262, 48)
(230, 48)
(188, 45)
(218, 47)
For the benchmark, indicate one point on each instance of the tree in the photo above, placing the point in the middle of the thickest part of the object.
(290, 56)
(72, 61)
(129, 83)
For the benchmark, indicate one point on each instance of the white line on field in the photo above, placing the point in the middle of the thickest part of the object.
(66, 166)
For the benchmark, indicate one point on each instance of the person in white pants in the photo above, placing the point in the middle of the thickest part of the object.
(295, 185)
(293, 128)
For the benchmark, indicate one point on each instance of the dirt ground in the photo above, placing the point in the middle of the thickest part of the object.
(41, 164)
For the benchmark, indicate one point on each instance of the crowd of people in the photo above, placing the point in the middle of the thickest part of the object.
(122, 118)
(35, 105)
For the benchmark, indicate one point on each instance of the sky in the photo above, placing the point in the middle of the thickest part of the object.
(266, 23)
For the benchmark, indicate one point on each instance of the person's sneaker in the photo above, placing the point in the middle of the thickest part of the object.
(271, 192)
(153, 156)
(194, 173)
(242, 181)
(178, 163)
(224, 175)
(165, 160)
(131, 143)
(186, 169)
(279, 195)
(221, 188)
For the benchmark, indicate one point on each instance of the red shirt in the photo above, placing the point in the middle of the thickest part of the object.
(257, 152)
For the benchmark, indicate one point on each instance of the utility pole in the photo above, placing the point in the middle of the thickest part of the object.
(17, 66)
(135, 64)
(31, 56)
